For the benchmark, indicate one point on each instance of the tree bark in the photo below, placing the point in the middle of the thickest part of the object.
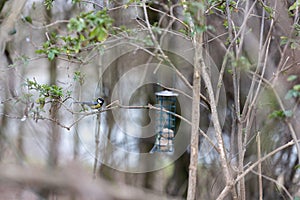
(195, 129)
(198, 64)
(8, 25)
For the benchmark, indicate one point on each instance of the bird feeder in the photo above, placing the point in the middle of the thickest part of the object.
(165, 121)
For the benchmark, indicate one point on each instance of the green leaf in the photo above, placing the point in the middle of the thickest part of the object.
(102, 34)
(51, 54)
(268, 9)
(292, 94)
(156, 30)
(183, 31)
(94, 32)
(283, 40)
(81, 37)
(41, 101)
(293, 45)
(148, 41)
(296, 87)
(48, 4)
(294, 6)
(68, 93)
(281, 114)
(288, 113)
(39, 51)
(46, 44)
(76, 24)
(28, 19)
(200, 28)
(225, 24)
(292, 78)
(277, 114)
(55, 91)
(78, 76)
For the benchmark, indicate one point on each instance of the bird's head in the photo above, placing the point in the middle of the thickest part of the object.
(100, 101)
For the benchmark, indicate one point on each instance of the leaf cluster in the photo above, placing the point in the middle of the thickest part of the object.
(50, 48)
(281, 114)
(91, 26)
(79, 77)
(45, 91)
(293, 43)
(294, 7)
(87, 29)
(294, 92)
(48, 3)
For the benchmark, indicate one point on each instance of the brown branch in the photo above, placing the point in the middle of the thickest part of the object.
(215, 119)
(260, 186)
(274, 181)
(202, 97)
(176, 115)
(157, 45)
(227, 188)
(290, 143)
(48, 25)
(289, 124)
(198, 65)
(111, 106)
(227, 54)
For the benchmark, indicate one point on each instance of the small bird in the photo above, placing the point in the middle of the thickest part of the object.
(92, 104)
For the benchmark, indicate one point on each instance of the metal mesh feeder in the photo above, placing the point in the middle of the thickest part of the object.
(165, 121)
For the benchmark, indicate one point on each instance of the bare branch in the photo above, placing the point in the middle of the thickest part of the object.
(227, 188)
(274, 181)
(260, 186)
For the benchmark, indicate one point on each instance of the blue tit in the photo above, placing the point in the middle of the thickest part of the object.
(92, 104)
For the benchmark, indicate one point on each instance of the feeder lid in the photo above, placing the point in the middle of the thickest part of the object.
(166, 93)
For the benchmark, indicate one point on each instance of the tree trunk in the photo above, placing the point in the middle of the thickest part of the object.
(198, 62)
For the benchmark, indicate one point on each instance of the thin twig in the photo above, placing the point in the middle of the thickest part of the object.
(260, 186)
(48, 25)
(171, 16)
(92, 2)
(274, 181)
(282, 107)
(97, 141)
(149, 106)
(217, 126)
(157, 45)
(227, 54)
(206, 105)
(227, 188)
